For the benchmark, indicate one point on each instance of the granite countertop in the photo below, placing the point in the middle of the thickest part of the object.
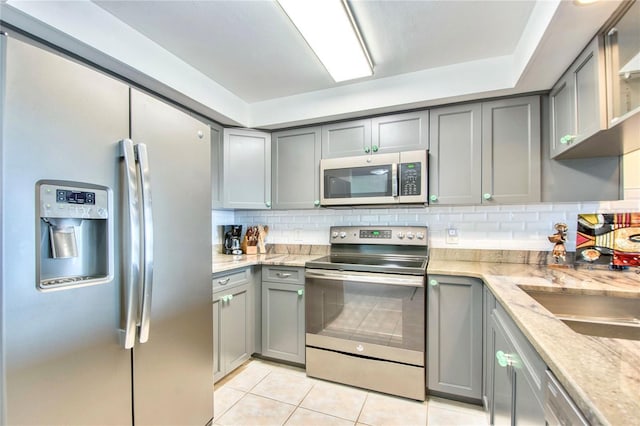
(225, 262)
(601, 375)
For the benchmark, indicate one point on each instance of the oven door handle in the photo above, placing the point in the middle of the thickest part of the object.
(364, 277)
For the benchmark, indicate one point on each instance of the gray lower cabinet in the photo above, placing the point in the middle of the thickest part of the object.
(283, 332)
(518, 375)
(247, 169)
(296, 168)
(454, 336)
(233, 320)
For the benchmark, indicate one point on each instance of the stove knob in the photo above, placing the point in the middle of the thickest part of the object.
(410, 235)
(400, 235)
(420, 235)
(334, 234)
(343, 235)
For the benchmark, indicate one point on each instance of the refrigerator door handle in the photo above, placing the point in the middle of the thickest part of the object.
(131, 255)
(147, 242)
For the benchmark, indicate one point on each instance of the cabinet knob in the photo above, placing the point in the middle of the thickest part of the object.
(316, 203)
(300, 292)
(230, 297)
(567, 139)
(486, 196)
(433, 283)
(224, 299)
(433, 197)
(367, 149)
(503, 359)
(375, 148)
(268, 204)
(225, 281)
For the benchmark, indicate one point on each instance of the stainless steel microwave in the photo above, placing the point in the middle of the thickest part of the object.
(387, 179)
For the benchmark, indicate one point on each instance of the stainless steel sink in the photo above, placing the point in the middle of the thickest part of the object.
(594, 315)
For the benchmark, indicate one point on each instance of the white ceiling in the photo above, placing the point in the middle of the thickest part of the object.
(243, 62)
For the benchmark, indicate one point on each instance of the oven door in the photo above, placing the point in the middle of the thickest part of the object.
(372, 315)
(359, 180)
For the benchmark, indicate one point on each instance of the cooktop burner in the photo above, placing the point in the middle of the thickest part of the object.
(396, 250)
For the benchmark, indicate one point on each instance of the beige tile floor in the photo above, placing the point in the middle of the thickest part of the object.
(266, 393)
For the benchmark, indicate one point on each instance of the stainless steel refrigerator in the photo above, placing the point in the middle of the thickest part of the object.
(67, 360)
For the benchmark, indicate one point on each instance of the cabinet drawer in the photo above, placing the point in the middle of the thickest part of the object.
(283, 274)
(225, 280)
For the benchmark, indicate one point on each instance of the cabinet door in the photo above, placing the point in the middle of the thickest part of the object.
(346, 139)
(489, 304)
(511, 150)
(247, 169)
(218, 371)
(455, 336)
(455, 155)
(502, 383)
(283, 321)
(296, 168)
(528, 410)
(400, 132)
(237, 324)
(562, 115)
(590, 96)
(217, 167)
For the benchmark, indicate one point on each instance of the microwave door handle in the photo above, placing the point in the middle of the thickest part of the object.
(394, 179)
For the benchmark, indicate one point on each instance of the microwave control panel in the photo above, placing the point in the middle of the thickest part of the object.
(410, 178)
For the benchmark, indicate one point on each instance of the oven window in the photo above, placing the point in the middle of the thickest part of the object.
(355, 182)
(388, 315)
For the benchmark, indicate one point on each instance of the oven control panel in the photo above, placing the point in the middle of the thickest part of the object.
(398, 235)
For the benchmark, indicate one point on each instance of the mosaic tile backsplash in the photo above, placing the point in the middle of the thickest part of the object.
(608, 239)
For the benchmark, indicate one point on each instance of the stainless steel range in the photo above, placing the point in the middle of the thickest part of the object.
(365, 309)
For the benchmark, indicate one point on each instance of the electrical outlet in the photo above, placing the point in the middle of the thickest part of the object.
(452, 235)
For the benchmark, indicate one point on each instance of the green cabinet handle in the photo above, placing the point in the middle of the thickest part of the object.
(300, 292)
(316, 203)
(230, 297)
(486, 196)
(433, 197)
(503, 359)
(375, 148)
(268, 204)
(567, 139)
(367, 149)
(433, 283)
(224, 298)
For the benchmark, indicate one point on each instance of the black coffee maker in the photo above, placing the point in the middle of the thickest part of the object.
(232, 235)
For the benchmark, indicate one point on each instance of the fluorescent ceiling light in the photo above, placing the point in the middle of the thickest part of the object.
(329, 29)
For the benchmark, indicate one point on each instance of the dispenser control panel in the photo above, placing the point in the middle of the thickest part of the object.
(61, 201)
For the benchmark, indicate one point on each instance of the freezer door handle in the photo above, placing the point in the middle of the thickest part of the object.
(147, 242)
(131, 255)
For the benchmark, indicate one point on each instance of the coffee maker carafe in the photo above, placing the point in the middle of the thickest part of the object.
(232, 235)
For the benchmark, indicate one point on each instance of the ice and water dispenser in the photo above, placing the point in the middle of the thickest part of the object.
(75, 232)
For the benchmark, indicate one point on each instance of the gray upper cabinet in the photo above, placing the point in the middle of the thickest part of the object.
(454, 336)
(389, 133)
(455, 154)
(578, 103)
(400, 132)
(346, 139)
(511, 150)
(217, 167)
(295, 173)
(247, 169)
